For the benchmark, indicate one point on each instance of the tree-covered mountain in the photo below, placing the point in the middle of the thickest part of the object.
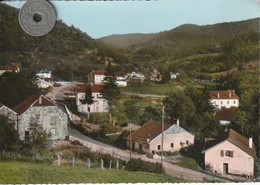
(65, 49)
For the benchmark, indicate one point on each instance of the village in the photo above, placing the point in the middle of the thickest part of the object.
(229, 155)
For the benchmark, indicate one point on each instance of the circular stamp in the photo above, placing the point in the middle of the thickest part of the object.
(37, 17)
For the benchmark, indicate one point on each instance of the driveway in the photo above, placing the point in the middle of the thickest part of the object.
(57, 92)
(170, 169)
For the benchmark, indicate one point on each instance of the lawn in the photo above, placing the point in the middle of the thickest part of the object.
(151, 88)
(33, 173)
(188, 162)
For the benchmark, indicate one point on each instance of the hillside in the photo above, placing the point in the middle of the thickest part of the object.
(184, 40)
(66, 47)
(127, 40)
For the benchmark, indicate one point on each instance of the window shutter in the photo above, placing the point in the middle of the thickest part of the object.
(231, 153)
(222, 153)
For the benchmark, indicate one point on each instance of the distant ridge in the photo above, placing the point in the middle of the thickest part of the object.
(215, 30)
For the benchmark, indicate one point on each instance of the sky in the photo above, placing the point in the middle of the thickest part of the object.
(103, 18)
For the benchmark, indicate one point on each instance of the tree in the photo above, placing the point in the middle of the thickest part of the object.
(88, 99)
(179, 105)
(131, 110)
(9, 138)
(18, 87)
(39, 138)
(151, 113)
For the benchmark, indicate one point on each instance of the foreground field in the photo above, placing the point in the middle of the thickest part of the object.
(24, 173)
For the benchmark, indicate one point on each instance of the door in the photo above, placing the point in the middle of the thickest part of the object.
(225, 168)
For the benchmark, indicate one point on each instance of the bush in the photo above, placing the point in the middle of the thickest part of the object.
(139, 165)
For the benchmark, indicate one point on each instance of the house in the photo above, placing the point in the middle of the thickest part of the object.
(15, 69)
(224, 99)
(100, 104)
(44, 79)
(135, 76)
(174, 75)
(44, 83)
(44, 74)
(96, 77)
(148, 138)
(39, 109)
(156, 76)
(226, 115)
(6, 111)
(230, 153)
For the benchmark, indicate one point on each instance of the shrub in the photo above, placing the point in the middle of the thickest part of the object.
(139, 165)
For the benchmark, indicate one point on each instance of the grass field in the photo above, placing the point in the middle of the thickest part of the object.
(33, 173)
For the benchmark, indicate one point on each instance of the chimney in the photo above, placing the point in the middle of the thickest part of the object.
(250, 142)
(178, 122)
(229, 94)
(218, 95)
(40, 100)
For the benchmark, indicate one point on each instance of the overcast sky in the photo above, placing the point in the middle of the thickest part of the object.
(102, 18)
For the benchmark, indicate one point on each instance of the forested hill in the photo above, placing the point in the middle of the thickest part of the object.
(65, 47)
(184, 40)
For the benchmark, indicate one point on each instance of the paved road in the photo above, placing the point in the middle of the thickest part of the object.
(57, 92)
(170, 169)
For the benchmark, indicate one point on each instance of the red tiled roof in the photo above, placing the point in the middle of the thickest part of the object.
(228, 113)
(95, 88)
(98, 72)
(10, 68)
(235, 138)
(35, 101)
(149, 130)
(223, 95)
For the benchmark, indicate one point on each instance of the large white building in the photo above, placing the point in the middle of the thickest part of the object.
(224, 99)
(38, 109)
(100, 104)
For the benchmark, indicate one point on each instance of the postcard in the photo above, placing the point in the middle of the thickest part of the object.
(160, 91)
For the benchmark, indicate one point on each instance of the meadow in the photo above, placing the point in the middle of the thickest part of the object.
(35, 173)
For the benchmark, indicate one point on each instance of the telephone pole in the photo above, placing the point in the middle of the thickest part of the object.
(162, 136)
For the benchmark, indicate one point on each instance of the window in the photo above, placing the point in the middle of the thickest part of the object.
(172, 145)
(234, 102)
(221, 102)
(227, 102)
(187, 142)
(227, 153)
(159, 147)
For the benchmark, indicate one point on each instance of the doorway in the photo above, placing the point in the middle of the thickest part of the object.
(225, 168)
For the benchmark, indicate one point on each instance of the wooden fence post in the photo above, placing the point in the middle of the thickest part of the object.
(110, 164)
(88, 163)
(117, 164)
(58, 160)
(73, 161)
(102, 164)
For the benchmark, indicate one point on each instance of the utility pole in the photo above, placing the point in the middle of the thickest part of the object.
(130, 142)
(162, 136)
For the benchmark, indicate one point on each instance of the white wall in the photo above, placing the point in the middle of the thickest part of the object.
(50, 117)
(227, 103)
(175, 138)
(241, 163)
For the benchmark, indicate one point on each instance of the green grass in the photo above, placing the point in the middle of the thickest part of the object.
(152, 88)
(189, 163)
(24, 173)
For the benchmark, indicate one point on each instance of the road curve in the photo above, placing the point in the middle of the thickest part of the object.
(170, 169)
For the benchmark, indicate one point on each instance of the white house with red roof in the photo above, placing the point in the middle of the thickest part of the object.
(224, 99)
(96, 77)
(39, 109)
(15, 69)
(149, 138)
(230, 153)
(44, 79)
(100, 104)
